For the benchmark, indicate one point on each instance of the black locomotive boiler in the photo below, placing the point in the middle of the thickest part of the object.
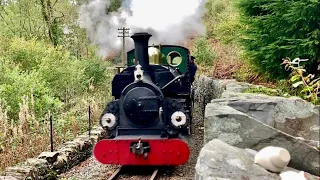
(151, 109)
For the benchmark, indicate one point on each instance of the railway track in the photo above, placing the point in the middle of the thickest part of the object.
(122, 169)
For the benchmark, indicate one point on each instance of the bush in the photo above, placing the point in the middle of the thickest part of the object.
(25, 54)
(203, 52)
(51, 75)
(222, 20)
(307, 86)
(15, 85)
(215, 9)
(278, 29)
(95, 72)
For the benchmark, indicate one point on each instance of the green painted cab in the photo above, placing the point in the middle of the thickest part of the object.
(173, 55)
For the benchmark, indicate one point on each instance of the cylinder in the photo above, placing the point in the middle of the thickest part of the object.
(141, 49)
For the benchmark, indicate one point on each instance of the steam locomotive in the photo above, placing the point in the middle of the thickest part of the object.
(152, 108)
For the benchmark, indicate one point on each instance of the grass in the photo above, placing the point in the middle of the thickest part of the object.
(265, 90)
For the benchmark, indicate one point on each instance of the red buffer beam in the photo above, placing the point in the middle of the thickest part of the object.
(170, 152)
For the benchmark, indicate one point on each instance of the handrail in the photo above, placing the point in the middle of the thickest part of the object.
(172, 81)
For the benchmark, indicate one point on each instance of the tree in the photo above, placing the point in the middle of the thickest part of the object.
(47, 9)
(21, 18)
(114, 5)
(276, 29)
(52, 20)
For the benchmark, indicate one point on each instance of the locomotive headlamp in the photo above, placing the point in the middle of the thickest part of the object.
(178, 119)
(108, 120)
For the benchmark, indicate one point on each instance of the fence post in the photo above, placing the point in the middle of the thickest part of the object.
(51, 133)
(89, 128)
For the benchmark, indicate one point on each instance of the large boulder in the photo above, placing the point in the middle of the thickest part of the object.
(241, 130)
(218, 160)
(291, 115)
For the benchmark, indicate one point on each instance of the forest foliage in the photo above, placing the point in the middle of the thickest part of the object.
(254, 36)
(47, 67)
(277, 29)
(53, 76)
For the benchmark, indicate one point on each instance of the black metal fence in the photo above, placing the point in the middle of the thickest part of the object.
(51, 127)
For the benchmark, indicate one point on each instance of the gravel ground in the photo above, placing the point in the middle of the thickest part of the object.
(92, 169)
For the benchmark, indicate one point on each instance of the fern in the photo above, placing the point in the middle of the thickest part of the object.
(308, 86)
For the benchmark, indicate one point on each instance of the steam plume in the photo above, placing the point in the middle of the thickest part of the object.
(169, 21)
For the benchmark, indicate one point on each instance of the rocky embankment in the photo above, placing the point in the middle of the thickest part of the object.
(237, 125)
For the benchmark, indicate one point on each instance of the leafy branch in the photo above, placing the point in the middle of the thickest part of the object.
(307, 86)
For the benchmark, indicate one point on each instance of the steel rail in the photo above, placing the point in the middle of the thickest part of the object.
(117, 173)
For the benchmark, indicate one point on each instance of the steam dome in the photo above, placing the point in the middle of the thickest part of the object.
(154, 55)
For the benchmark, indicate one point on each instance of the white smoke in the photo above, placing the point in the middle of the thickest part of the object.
(169, 21)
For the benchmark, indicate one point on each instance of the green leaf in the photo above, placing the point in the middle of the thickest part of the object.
(307, 96)
(307, 88)
(295, 85)
(294, 78)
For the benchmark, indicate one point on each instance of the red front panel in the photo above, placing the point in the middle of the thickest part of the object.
(162, 152)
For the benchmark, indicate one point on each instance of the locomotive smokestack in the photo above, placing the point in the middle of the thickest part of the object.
(141, 49)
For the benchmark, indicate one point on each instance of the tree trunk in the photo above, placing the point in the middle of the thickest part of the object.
(52, 23)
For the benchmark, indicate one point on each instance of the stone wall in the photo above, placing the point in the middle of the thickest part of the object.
(254, 121)
(49, 164)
